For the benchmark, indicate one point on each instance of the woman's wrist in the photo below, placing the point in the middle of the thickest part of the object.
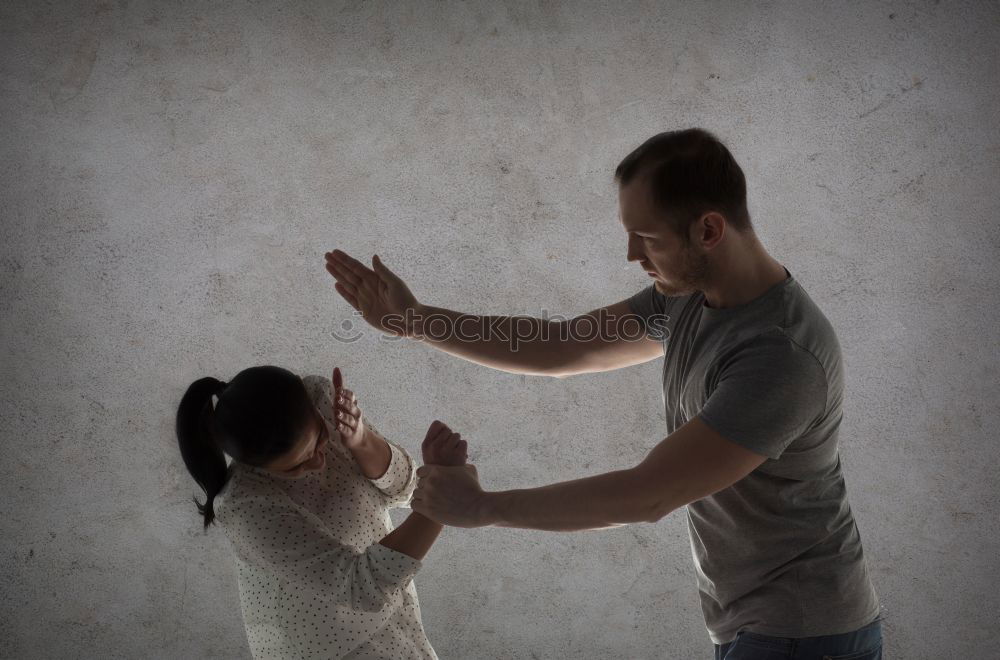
(369, 438)
(427, 522)
(414, 536)
(372, 454)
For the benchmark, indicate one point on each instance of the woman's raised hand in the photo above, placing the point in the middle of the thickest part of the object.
(383, 299)
(442, 447)
(350, 420)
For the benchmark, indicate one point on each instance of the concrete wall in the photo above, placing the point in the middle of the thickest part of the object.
(172, 173)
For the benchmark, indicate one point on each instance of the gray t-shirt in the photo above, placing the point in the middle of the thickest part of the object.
(777, 553)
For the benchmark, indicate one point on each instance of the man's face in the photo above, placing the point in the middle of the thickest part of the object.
(676, 268)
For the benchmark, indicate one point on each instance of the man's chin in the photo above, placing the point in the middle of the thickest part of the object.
(670, 290)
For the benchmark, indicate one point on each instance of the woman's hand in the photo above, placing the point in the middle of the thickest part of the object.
(383, 299)
(442, 447)
(350, 421)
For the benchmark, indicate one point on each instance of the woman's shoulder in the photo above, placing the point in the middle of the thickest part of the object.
(244, 487)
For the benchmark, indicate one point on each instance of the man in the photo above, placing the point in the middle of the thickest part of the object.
(753, 388)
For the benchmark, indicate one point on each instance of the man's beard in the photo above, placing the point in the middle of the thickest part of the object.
(692, 275)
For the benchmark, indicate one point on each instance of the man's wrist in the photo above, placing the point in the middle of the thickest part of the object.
(415, 328)
(492, 508)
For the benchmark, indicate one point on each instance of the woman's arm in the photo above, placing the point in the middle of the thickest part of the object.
(370, 450)
(414, 537)
(372, 453)
(386, 465)
(268, 530)
(417, 533)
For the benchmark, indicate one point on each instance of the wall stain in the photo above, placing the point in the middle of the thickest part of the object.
(78, 72)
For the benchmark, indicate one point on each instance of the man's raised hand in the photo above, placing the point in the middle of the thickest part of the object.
(380, 295)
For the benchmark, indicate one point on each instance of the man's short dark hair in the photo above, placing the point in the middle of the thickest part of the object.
(690, 173)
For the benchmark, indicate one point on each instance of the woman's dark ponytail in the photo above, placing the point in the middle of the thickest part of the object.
(202, 455)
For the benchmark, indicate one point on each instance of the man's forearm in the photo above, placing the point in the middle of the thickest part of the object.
(517, 344)
(605, 500)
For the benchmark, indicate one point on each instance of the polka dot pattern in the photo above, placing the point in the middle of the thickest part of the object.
(313, 580)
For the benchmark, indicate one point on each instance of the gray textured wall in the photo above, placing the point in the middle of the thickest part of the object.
(173, 172)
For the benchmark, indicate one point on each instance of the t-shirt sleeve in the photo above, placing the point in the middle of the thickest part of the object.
(271, 533)
(768, 393)
(651, 307)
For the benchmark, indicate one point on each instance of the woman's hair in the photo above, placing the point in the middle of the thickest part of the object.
(259, 416)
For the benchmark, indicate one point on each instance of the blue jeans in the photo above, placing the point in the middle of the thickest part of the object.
(862, 644)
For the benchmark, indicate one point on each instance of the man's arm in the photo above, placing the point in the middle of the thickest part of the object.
(601, 340)
(691, 463)
(607, 338)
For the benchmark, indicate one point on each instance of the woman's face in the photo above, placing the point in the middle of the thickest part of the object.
(306, 455)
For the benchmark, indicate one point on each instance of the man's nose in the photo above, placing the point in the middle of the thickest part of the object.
(631, 252)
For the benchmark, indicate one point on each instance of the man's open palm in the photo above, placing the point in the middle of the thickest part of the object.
(379, 294)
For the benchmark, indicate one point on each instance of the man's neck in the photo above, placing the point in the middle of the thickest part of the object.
(743, 277)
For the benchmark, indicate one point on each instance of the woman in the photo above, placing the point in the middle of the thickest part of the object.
(304, 502)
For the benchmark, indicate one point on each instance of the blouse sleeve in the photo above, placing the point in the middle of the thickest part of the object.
(270, 532)
(400, 477)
